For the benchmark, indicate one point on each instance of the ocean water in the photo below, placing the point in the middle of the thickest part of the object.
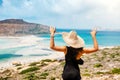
(105, 38)
(38, 46)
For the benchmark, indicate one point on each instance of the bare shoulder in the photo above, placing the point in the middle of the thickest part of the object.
(89, 50)
(60, 48)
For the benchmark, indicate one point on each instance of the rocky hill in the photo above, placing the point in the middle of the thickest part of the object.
(13, 27)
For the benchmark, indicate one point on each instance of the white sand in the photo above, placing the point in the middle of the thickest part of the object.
(20, 41)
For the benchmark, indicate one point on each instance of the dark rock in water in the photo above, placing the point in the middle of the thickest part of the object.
(16, 27)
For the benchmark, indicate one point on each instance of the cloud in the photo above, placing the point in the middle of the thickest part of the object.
(67, 7)
(79, 13)
(91, 12)
(16, 8)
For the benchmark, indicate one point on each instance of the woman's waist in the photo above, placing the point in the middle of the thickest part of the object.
(71, 67)
(71, 64)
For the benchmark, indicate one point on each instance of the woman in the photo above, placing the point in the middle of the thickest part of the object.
(73, 52)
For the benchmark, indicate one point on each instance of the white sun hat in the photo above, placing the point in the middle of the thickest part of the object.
(72, 39)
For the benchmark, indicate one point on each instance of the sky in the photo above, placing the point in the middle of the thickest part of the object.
(76, 14)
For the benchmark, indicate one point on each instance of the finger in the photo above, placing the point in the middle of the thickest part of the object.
(95, 28)
(54, 28)
(51, 26)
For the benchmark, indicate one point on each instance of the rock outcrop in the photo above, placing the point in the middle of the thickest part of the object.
(16, 27)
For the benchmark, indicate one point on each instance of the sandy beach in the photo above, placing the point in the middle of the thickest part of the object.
(101, 65)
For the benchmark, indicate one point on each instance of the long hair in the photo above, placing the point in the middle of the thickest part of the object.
(75, 51)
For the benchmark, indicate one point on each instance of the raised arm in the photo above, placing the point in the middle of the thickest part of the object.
(52, 43)
(95, 44)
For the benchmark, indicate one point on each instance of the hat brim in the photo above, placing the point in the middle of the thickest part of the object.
(73, 43)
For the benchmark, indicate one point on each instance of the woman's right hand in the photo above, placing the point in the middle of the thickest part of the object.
(93, 32)
(52, 30)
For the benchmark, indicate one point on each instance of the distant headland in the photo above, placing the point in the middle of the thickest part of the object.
(19, 27)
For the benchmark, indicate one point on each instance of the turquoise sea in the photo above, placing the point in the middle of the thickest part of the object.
(38, 45)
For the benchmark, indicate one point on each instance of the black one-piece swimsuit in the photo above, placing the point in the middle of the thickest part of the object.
(71, 69)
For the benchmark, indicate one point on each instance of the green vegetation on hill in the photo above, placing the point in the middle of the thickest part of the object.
(29, 70)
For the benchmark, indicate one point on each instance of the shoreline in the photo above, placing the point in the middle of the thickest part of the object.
(27, 60)
(33, 40)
